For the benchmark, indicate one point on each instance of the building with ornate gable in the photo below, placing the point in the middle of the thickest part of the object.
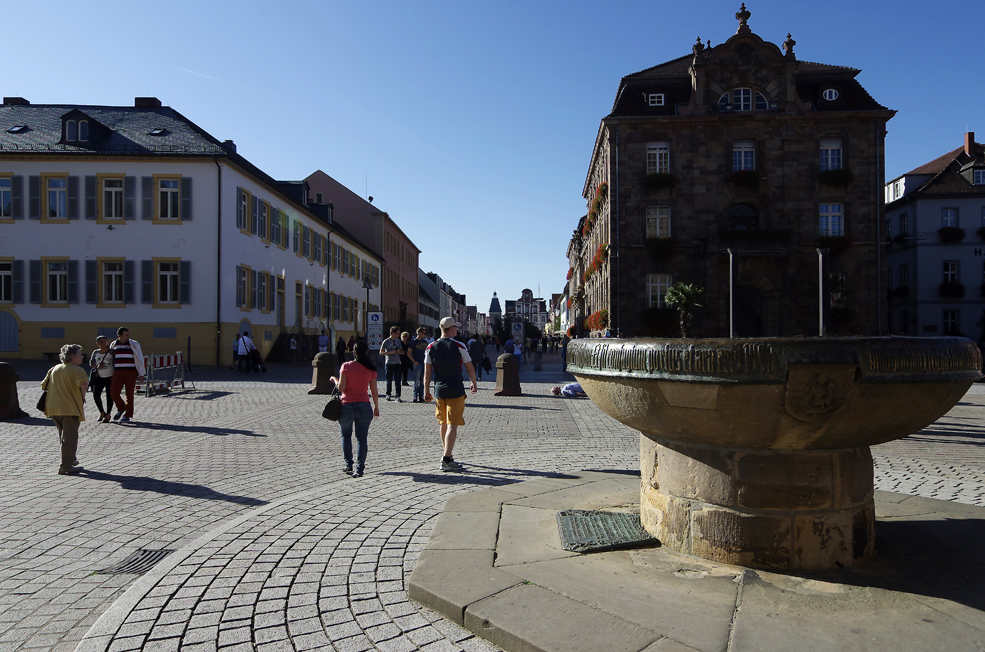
(735, 147)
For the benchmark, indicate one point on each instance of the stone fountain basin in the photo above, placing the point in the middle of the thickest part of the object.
(776, 393)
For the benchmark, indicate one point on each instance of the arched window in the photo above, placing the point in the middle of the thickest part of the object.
(742, 217)
(71, 131)
(741, 99)
(83, 130)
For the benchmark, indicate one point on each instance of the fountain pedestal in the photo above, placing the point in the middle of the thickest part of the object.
(756, 452)
(805, 509)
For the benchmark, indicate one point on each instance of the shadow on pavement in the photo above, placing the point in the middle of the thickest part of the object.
(143, 483)
(171, 427)
(935, 557)
(34, 421)
(480, 475)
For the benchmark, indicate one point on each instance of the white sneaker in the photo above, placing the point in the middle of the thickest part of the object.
(451, 465)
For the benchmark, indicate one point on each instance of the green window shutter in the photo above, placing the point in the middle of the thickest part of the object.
(147, 199)
(127, 281)
(34, 282)
(34, 201)
(147, 281)
(73, 281)
(129, 197)
(92, 283)
(73, 198)
(18, 272)
(186, 198)
(17, 197)
(90, 186)
(185, 282)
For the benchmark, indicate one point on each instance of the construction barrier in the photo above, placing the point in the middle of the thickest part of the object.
(165, 373)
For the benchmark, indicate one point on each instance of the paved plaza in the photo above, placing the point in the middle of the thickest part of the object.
(276, 549)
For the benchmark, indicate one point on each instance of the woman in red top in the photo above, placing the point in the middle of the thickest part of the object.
(356, 381)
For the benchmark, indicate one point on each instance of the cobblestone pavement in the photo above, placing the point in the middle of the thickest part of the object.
(274, 547)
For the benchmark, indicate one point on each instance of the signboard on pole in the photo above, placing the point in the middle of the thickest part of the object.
(518, 330)
(374, 330)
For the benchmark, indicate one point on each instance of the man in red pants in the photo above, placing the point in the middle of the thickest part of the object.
(128, 369)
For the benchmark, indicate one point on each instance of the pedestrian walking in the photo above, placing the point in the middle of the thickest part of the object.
(443, 360)
(477, 351)
(128, 370)
(405, 358)
(357, 382)
(101, 377)
(418, 346)
(66, 384)
(351, 347)
(340, 350)
(246, 349)
(391, 352)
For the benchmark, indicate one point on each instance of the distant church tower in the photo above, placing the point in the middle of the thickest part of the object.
(495, 311)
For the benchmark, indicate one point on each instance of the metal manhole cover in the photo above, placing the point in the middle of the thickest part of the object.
(586, 531)
(138, 563)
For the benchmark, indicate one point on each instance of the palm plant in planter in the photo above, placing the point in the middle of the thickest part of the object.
(684, 297)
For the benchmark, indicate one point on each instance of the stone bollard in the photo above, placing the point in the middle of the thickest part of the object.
(325, 365)
(538, 356)
(507, 376)
(9, 406)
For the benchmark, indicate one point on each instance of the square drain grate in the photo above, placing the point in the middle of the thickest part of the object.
(138, 563)
(587, 531)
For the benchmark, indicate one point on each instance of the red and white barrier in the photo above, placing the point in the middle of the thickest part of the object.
(164, 374)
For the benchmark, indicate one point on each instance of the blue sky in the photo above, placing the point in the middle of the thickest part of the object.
(471, 123)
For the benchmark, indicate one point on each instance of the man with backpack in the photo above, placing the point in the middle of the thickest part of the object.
(443, 361)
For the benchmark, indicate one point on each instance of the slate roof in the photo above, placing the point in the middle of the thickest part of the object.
(674, 80)
(946, 176)
(938, 164)
(128, 131)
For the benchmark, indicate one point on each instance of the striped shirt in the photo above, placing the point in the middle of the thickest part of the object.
(123, 356)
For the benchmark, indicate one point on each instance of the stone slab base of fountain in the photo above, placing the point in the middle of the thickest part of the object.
(775, 509)
(494, 565)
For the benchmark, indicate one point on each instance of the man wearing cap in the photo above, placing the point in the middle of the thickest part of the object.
(443, 361)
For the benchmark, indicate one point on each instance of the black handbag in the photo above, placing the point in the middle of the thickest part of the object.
(44, 400)
(333, 409)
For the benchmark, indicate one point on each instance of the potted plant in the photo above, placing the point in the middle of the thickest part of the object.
(660, 248)
(951, 290)
(841, 177)
(660, 181)
(746, 178)
(684, 297)
(950, 234)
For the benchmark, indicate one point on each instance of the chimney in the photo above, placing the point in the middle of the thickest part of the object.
(229, 146)
(146, 103)
(15, 101)
(969, 142)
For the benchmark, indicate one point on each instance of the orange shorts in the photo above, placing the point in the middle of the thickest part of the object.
(450, 411)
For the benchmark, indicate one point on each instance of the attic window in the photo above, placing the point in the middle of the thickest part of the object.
(159, 131)
(18, 129)
(830, 94)
(83, 130)
(740, 99)
(979, 177)
(656, 99)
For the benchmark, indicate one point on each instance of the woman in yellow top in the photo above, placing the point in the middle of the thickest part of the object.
(66, 385)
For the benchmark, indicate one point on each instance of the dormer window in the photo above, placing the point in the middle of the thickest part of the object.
(979, 177)
(83, 130)
(656, 99)
(71, 131)
(741, 99)
(830, 94)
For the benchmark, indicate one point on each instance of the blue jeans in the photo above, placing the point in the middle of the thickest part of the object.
(360, 414)
(417, 373)
(394, 372)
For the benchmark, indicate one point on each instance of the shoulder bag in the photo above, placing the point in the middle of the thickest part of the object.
(333, 409)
